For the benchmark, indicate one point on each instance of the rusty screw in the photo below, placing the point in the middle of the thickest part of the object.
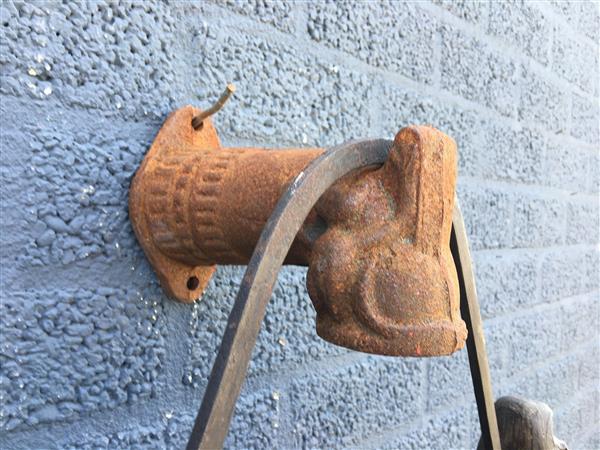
(198, 120)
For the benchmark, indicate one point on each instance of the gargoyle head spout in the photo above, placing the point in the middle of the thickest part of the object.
(381, 277)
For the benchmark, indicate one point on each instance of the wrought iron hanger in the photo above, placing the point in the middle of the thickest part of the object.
(230, 366)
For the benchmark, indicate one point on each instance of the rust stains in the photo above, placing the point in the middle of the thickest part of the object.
(381, 276)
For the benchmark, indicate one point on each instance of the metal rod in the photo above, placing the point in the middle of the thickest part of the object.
(469, 310)
(228, 373)
(231, 364)
(198, 119)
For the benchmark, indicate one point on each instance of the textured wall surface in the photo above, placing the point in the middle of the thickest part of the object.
(94, 356)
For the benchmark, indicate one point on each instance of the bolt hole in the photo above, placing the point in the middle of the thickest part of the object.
(197, 126)
(193, 283)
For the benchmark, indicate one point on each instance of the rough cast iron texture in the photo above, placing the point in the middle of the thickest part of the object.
(380, 275)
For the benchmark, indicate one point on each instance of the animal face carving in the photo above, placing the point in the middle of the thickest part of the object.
(381, 277)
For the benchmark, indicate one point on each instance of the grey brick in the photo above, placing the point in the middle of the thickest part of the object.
(538, 222)
(255, 425)
(70, 352)
(329, 105)
(118, 59)
(577, 417)
(519, 341)
(583, 222)
(133, 438)
(589, 361)
(568, 10)
(523, 25)
(487, 214)
(555, 383)
(583, 17)
(175, 426)
(554, 233)
(69, 173)
(589, 279)
(449, 381)
(207, 322)
(473, 424)
(512, 153)
(532, 338)
(505, 282)
(593, 172)
(543, 102)
(398, 45)
(566, 166)
(497, 343)
(276, 13)
(584, 120)
(287, 338)
(567, 273)
(573, 59)
(451, 430)
(521, 385)
(591, 440)
(478, 73)
(581, 320)
(475, 12)
(256, 421)
(401, 107)
(589, 18)
(139, 437)
(339, 407)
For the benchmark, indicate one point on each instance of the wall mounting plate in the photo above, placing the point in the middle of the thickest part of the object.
(149, 200)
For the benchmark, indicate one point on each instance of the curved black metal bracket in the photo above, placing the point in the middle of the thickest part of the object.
(469, 310)
(247, 314)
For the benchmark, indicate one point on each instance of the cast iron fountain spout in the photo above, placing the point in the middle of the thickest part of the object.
(380, 272)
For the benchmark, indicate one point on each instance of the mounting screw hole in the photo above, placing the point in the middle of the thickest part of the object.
(193, 283)
(197, 124)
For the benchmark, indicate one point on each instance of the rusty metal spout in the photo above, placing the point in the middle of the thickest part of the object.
(381, 276)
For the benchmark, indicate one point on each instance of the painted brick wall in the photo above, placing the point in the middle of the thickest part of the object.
(93, 355)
